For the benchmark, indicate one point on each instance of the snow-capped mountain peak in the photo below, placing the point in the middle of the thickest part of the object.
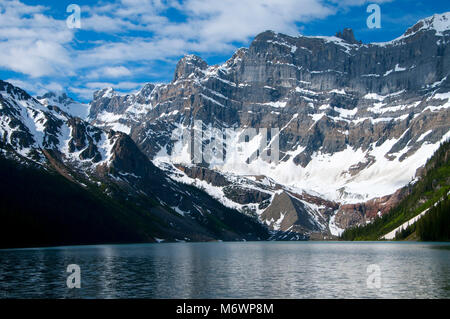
(65, 103)
(440, 23)
(353, 129)
(355, 123)
(108, 168)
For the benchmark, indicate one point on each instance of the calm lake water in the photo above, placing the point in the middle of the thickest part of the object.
(229, 270)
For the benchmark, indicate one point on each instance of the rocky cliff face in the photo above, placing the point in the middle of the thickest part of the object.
(109, 162)
(356, 120)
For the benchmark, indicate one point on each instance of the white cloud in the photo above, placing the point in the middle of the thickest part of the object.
(347, 3)
(138, 32)
(237, 20)
(209, 27)
(35, 58)
(121, 86)
(82, 93)
(103, 23)
(37, 88)
(109, 72)
(31, 42)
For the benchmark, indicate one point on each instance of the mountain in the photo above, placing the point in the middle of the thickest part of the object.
(429, 195)
(66, 181)
(65, 103)
(434, 226)
(356, 122)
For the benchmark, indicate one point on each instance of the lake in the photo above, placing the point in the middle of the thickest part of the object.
(231, 270)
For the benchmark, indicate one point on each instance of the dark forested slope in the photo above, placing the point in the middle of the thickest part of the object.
(433, 186)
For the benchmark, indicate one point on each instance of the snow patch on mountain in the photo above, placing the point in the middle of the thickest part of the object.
(328, 174)
(334, 229)
(65, 103)
(439, 23)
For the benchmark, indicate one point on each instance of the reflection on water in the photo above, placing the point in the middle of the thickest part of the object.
(229, 270)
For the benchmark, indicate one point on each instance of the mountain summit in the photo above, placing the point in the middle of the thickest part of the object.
(356, 123)
(357, 120)
(347, 35)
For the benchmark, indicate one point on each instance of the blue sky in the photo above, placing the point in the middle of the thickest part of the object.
(127, 43)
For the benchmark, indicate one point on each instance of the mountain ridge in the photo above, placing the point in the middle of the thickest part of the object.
(105, 169)
(367, 108)
(356, 122)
